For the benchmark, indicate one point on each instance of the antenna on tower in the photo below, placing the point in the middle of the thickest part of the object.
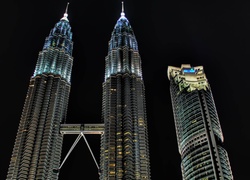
(65, 16)
(122, 13)
(66, 11)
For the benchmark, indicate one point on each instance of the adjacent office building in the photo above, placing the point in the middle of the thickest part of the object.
(198, 129)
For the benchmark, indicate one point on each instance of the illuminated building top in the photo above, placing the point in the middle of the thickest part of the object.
(189, 78)
(56, 56)
(123, 55)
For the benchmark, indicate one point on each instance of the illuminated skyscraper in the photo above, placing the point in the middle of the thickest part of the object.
(198, 130)
(124, 143)
(38, 144)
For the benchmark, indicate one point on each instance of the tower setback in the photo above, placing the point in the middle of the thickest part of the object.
(198, 129)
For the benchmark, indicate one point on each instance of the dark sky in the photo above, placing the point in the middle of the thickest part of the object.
(214, 35)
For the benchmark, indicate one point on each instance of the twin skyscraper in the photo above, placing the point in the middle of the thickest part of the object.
(124, 148)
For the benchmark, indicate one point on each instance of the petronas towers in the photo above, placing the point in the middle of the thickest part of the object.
(124, 138)
(123, 130)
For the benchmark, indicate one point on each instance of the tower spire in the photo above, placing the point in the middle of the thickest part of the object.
(122, 13)
(65, 16)
(66, 11)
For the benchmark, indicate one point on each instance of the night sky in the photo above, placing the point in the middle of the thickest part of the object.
(214, 35)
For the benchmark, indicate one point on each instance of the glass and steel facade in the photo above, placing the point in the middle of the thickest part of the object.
(38, 144)
(124, 143)
(198, 130)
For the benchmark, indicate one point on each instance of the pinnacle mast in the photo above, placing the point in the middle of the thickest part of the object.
(122, 13)
(65, 15)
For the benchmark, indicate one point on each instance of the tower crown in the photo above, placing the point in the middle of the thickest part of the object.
(61, 36)
(122, 24)
(123, 56)
(59, 45)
